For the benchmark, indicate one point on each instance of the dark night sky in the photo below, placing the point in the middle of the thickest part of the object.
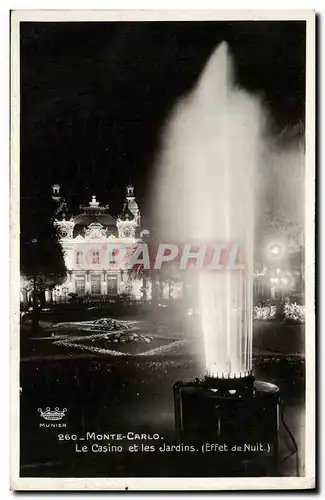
(94, 95)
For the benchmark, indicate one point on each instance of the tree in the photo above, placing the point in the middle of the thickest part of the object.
(41, 254)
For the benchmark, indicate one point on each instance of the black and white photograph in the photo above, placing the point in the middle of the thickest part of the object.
(162, 205)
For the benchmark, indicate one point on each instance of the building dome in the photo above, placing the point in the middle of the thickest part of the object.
(83, 221)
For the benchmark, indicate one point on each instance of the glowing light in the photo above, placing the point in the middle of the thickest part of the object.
(275, 250)
(283, 279)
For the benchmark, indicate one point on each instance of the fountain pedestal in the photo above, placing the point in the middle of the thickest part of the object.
(233, 423)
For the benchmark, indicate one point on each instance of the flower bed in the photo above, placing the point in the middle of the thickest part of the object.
(109, 325)
(294, 312)
(267, 312)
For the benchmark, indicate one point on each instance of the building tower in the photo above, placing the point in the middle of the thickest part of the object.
(129, 219)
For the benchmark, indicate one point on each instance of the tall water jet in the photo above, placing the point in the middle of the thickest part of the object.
(211, 150)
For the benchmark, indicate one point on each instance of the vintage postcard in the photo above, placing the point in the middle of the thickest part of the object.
(162, 250)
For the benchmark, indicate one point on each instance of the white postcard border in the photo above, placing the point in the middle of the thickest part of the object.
(163, 484)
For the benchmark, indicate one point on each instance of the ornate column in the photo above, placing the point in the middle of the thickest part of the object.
(155, 291)
(87, 282)
(71, 284)
(170, 289)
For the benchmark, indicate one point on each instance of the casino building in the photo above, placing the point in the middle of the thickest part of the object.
(85, 238)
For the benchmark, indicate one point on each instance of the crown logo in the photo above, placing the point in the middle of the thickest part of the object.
(55, 414)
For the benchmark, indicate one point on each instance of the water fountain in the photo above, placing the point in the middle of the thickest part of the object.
(211, 151)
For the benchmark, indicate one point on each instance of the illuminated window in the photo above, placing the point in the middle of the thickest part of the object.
(112, 285)
(80, 284)
(95, 257)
